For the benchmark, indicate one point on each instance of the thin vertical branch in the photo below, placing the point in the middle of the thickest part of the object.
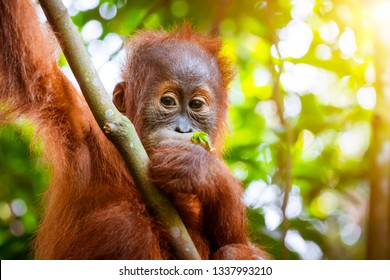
(378, 240)
(285, 157)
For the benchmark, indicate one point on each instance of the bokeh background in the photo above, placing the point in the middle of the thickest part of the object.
(309, 119)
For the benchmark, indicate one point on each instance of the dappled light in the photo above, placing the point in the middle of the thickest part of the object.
(309, 128)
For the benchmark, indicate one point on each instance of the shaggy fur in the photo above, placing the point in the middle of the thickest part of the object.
(93, 209)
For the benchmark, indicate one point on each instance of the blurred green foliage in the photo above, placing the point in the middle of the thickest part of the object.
(300, 117)
(23, 179)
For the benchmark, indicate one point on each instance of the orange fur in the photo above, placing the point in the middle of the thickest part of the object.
(93, 209)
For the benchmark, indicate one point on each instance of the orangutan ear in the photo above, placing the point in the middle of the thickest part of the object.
(118, 97)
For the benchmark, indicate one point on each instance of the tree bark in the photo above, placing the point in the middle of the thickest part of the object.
(378, 242)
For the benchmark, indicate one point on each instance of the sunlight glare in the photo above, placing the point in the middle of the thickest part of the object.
(294, 205)
(302, 9)
(329, 31)
(240, 170)
(107, 12)
(350, 233)
(268, 110)
(70, 6)
(258, 194)
(236, 96)
(307, 250)
(323, 52)
(307, 139)
(273, 217)
(110, 74)
(370, 74)
(67, 3)
(379, 18)
(98, 52)
(261, 76)
(85, 5)
(347, 42)
(253, 194)
(350, 143)
(295, 242)
(299, 78)
(312, 146)
(292, 105)
(366, 97)
(355, 141)
(295, 39)
(312, 252)
(92, 30)
(113, 42)
(380, 12)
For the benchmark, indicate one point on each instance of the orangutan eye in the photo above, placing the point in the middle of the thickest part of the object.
(196, 104)
(168, 101)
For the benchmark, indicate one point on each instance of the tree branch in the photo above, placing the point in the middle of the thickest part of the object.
(285, 157)
(115, 126)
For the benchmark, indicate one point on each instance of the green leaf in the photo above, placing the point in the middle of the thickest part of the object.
(201, 138)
